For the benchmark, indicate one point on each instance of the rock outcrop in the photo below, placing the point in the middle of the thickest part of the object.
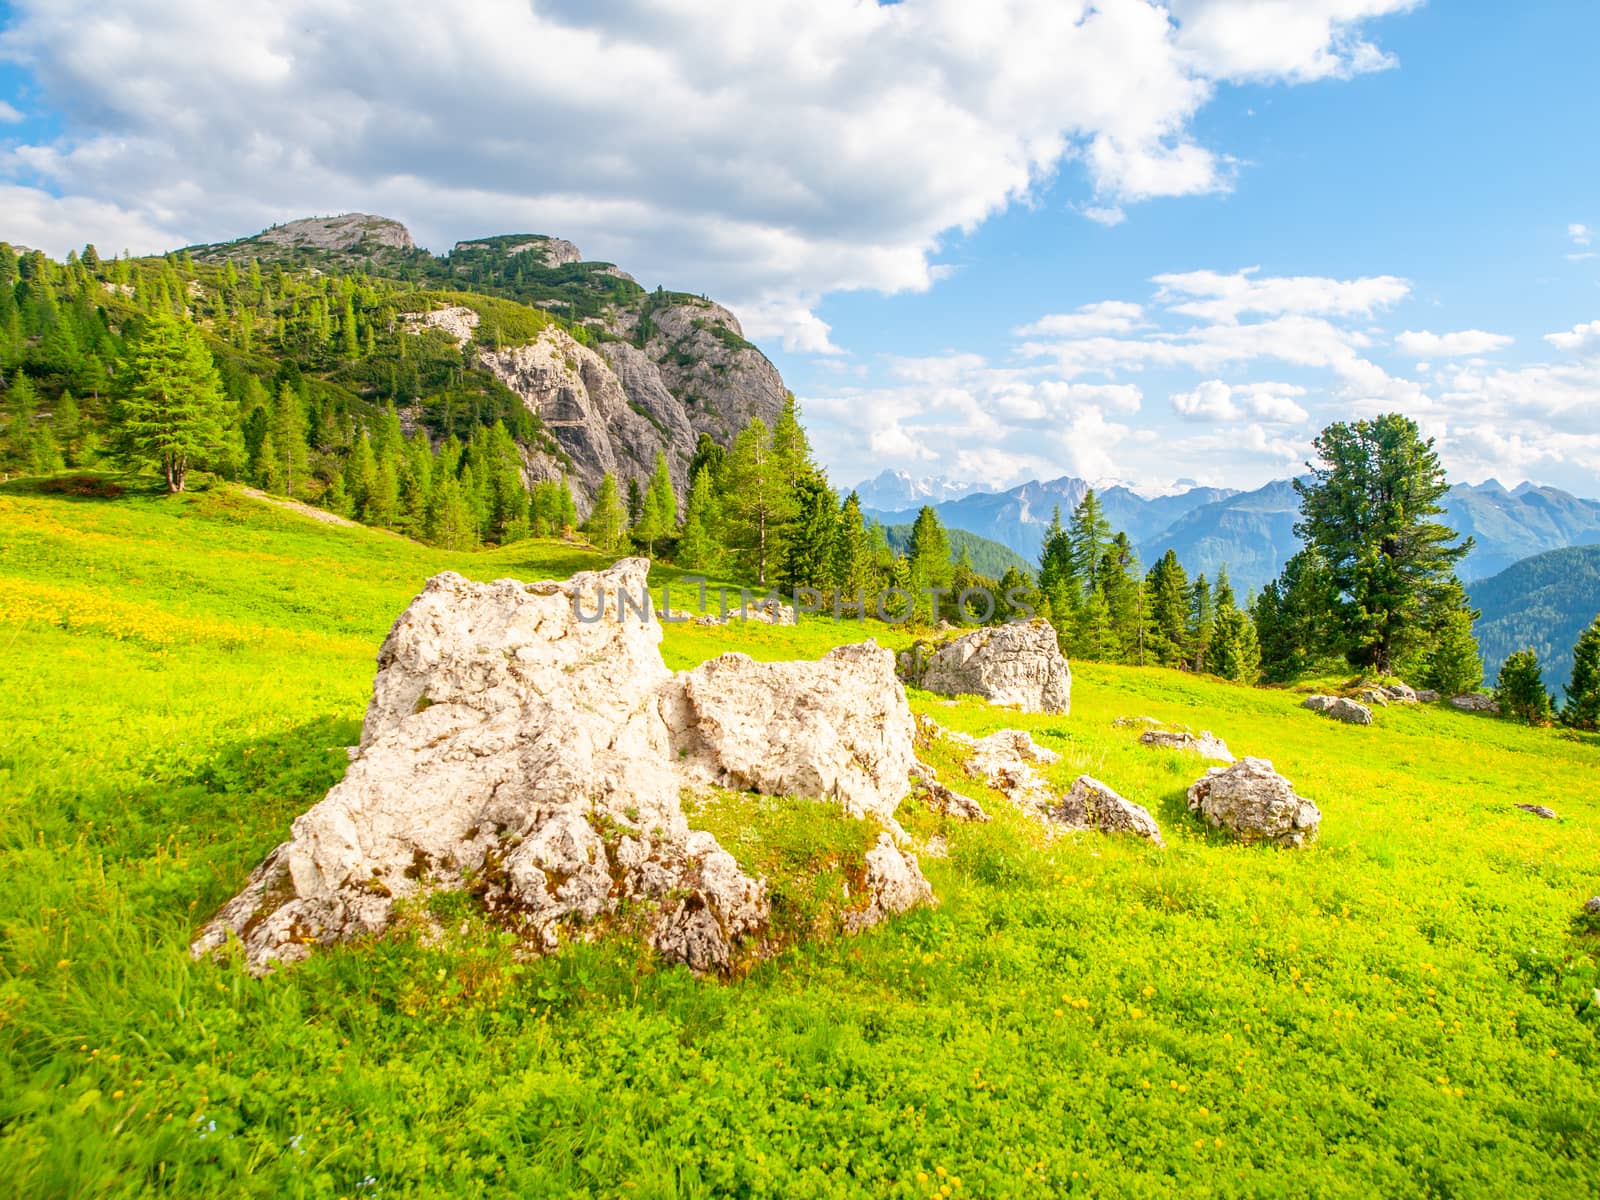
(540, 759)
(1018, 664)
(1205, 743)
(1090, 804)
(1254, 803)
(1427, 696)
(1475, 702)
(926, 785)
(667, 367)
(894, 884)
(1340, 708)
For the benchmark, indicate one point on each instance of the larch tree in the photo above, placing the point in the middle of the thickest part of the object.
(171, 411)
(1582, 707)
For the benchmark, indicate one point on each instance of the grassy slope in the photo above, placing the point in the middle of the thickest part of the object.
(1395, 1010)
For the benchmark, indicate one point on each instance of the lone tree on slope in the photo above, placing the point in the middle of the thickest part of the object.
(1369, 508)
(171, 411)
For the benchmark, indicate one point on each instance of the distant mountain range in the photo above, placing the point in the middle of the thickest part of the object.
(1251, 533)
(1543, 603)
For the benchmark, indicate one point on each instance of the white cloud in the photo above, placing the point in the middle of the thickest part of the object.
(9, 115)
(1580, 339)
(1213, 296)
(1215, 400)
(1580, 234)
(769, 154)
(37, 219)
(1106, 316)
(1459, 344)
(1267, 39)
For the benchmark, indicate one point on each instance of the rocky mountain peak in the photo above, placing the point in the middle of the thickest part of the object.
(348, 231)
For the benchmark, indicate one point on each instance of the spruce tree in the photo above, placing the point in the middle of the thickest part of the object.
(636, 509)
(1167, 610)
(1235, 652)
(171, 411)
(1520, 691)
(22, 403)
(1115, 579)
(808, 549)
(1582, 707)
(1094, 637)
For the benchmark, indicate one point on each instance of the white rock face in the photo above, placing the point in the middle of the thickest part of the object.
(1204, 743)
(459, 321)
(1018, 664)
(838, 729)
(1255, 803)
(545, 756)
(1092, 805)
(1340, 709)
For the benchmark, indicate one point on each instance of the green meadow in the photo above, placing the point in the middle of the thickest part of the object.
(1407, 1007)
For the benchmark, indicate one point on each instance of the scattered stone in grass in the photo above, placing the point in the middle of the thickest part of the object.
(1205, 743)
(942, 799)
(1092, 805)
(1340, 708)
(1475, 702)
(1539, 810)
(1255, 803)
(1134, 722)
(1592, 906)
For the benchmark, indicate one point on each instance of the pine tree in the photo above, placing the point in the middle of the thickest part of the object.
(1520, 691)
(75, 438)
(1453, 666)
(607, 521)
(1582, 707)
(1367, 511)
(636, 508)
(286, 424)
(809, 548)
(1202, 619)
(1295, 618)
(658, 506)
(1235, 652)
(1114, 577)
(1167, 610)
(360, 470)
(171, 413)
(22, 404)
(1094, 637)
(928, 552)
(450, 522)
(757, 500)
(698, 548)
(853, 571)
(1091, 537)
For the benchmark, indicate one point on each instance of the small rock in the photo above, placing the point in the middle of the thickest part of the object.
(1134, 722)
(1255, 803)
(1205, 744)
(943, 799)
(1427, 696)
(894, 885)
(1340, 709)
(1540, 811)
(1400, 693)
(1092, 805)
(1592, 906)
(1375, 696)
(1475, 702)
(1019, 664)
(937, 847)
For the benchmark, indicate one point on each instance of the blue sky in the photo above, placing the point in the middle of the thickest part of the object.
(911, 208)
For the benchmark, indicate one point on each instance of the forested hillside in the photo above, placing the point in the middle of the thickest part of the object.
(1541, 603)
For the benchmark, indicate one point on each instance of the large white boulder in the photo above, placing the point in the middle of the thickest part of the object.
(1018, 664)
(532, 740)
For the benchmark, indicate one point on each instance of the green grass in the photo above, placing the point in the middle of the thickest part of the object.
(1406, 1007)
